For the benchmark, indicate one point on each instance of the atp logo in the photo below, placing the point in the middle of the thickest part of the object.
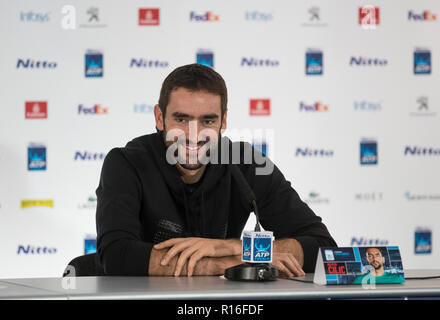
(262, 248)
(246, 248)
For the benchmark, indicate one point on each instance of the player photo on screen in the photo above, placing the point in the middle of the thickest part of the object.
(377, 265)
(363, 265)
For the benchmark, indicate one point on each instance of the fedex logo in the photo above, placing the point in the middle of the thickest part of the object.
(204, 17)
(315, 107)
(424, 16)
(96, 109)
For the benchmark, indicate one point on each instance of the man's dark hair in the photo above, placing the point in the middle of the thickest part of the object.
(194, 77)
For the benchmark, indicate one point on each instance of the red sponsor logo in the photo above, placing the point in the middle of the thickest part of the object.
(259, 107)
(35, 110)
(149, 17)
(368, 16)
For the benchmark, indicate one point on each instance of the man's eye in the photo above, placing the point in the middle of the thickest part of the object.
(209, 122)
(180, 120)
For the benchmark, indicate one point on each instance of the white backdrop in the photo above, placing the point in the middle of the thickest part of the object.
(382, 100)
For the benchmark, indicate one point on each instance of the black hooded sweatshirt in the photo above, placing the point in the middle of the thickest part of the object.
(143, 201)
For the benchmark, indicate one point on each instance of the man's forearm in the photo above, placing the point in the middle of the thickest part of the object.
(290, 246)
(207, 266)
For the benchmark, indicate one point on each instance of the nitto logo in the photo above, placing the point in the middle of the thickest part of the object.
(35, 64)
(35, 250)
(86, 155)
(96, 109)
(363, 61)
(255, 62)
(309, 152)
(421, 151)
(145, 63)
(367, 242)
(204, 17)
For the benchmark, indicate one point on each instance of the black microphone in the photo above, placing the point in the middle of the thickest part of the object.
(249, 271)
(246, 191)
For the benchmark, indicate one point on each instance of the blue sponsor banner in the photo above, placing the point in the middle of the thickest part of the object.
(94, 64)
(314, 62)
(422, 61)
(89, 245)
(205, 57)
(37, 157)
(423, 241)
(368, 149)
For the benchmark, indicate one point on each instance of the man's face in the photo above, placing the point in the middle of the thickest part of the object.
(193, 120)
(375, 258)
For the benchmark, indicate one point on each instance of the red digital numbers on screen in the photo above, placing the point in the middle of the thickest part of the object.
(335, 268)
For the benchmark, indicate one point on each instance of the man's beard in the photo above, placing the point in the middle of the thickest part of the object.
(197, 157)
(377, 265)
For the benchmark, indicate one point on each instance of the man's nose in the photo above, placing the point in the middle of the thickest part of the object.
(192, 132)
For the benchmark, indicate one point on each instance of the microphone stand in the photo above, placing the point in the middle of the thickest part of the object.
(250, 271)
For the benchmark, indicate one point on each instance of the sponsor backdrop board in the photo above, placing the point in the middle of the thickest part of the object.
(342, 95)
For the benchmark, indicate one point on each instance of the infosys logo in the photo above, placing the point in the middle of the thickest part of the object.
(35, 250)
(35, 64)
(311, 152)
(421, 151)
(203, 17)
(31, 16)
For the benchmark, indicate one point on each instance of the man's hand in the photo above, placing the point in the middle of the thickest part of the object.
(191, 250)
(288, 257)
(287, 264)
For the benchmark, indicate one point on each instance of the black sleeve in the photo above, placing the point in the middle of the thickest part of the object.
(119, 246)
(281, 210)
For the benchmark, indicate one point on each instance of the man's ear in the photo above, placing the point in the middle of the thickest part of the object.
(158, 116)
(224, 126)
